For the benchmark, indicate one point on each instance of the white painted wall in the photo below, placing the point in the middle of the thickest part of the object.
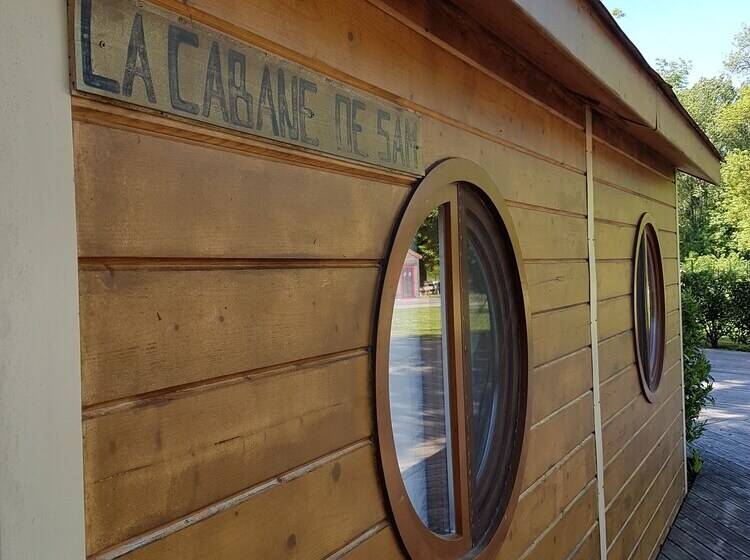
(41, 487)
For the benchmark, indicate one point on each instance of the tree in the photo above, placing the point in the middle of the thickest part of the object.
(706, 100)
(738, 61)
(731, 126)
(675, 72)
(617, 13)
(736, 198)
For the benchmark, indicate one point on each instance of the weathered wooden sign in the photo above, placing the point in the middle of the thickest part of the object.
(139, 53)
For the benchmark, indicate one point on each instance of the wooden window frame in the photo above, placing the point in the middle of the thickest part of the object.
(439, 187)
(649, 371)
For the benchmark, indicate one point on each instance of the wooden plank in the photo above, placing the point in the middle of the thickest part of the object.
(658, 528)
(555, 186)
(619, 469)
(429, 80)
(617, 241)
(589, 547)
(266, 95)
(696, 548)
(567, 532)
(286, 520)
(616, 205)
(544, 235)
(165, 457)
(145, 196)
(384, 544)
(669, 483)
(559, 333)
(550, 441)
(725, 543)
(615, 354)
(621, 506)
(546, 500)
(614, 278)
(559, 382)
(620, 429)
(554, 285)
(619, 390)
(623, 144)
(615, 316)
(612, 167)
(146, 330)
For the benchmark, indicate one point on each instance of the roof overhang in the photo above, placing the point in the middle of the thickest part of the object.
(579, 43)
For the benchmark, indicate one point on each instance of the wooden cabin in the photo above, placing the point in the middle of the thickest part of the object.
(222, 200)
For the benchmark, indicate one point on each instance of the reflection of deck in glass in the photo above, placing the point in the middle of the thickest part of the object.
(418, 408)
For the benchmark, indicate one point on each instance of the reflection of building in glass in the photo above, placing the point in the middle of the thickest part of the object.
(408, 284)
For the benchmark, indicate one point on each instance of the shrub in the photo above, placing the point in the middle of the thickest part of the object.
(740, 298)
(712, 282)
(698, 380)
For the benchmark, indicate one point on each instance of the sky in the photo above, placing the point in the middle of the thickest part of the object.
(696, 30)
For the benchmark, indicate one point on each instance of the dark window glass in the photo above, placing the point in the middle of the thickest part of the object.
(492, 305)
(649, 308)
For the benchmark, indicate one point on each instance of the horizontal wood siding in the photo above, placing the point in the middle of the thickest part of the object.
(229, 285)
(642, 441)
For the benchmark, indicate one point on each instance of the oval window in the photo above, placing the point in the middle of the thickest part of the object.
(452, 367)
(649, 307)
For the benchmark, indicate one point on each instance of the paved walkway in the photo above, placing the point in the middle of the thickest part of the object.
(714, 522)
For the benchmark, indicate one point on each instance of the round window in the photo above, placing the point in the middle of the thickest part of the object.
(452, 367)
(648, 307)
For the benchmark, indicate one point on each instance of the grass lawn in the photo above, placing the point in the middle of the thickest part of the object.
(425, 320)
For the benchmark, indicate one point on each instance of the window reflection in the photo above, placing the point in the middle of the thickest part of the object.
(418, 379)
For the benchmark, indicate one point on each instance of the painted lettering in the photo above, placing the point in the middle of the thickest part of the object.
(384, 116)
(357, 105)
(343, 127)
(288, 122)
(89, 77)
(265, 102)
(137, 62)
(214, 88)
(175, 37)
(305, 87)
(237, 89)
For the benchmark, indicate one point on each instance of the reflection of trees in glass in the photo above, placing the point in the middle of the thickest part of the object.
(427, 243)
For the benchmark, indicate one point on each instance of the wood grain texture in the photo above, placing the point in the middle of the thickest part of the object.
(286, 520)
(621, 428)
(148, 330)
(143, 196)
(384, 544)
(669, 482)
(554, 285)
(565, 534)
(168, 456)
(559, 382)
(561, 332)
(429, 80)
(611, 166)
(617, 241)
(620, 508)
(548, 498)
(550, 441)
(617, 205)
(589, 546)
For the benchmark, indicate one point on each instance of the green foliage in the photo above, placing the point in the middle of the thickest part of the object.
(675, 72)
(736, 199)
(695, 461)
(738, 61)
(706, 100)
(711, 282)
(617, 13)
(426, 243)
(698, 381)
(730, 126)
(741, 309)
